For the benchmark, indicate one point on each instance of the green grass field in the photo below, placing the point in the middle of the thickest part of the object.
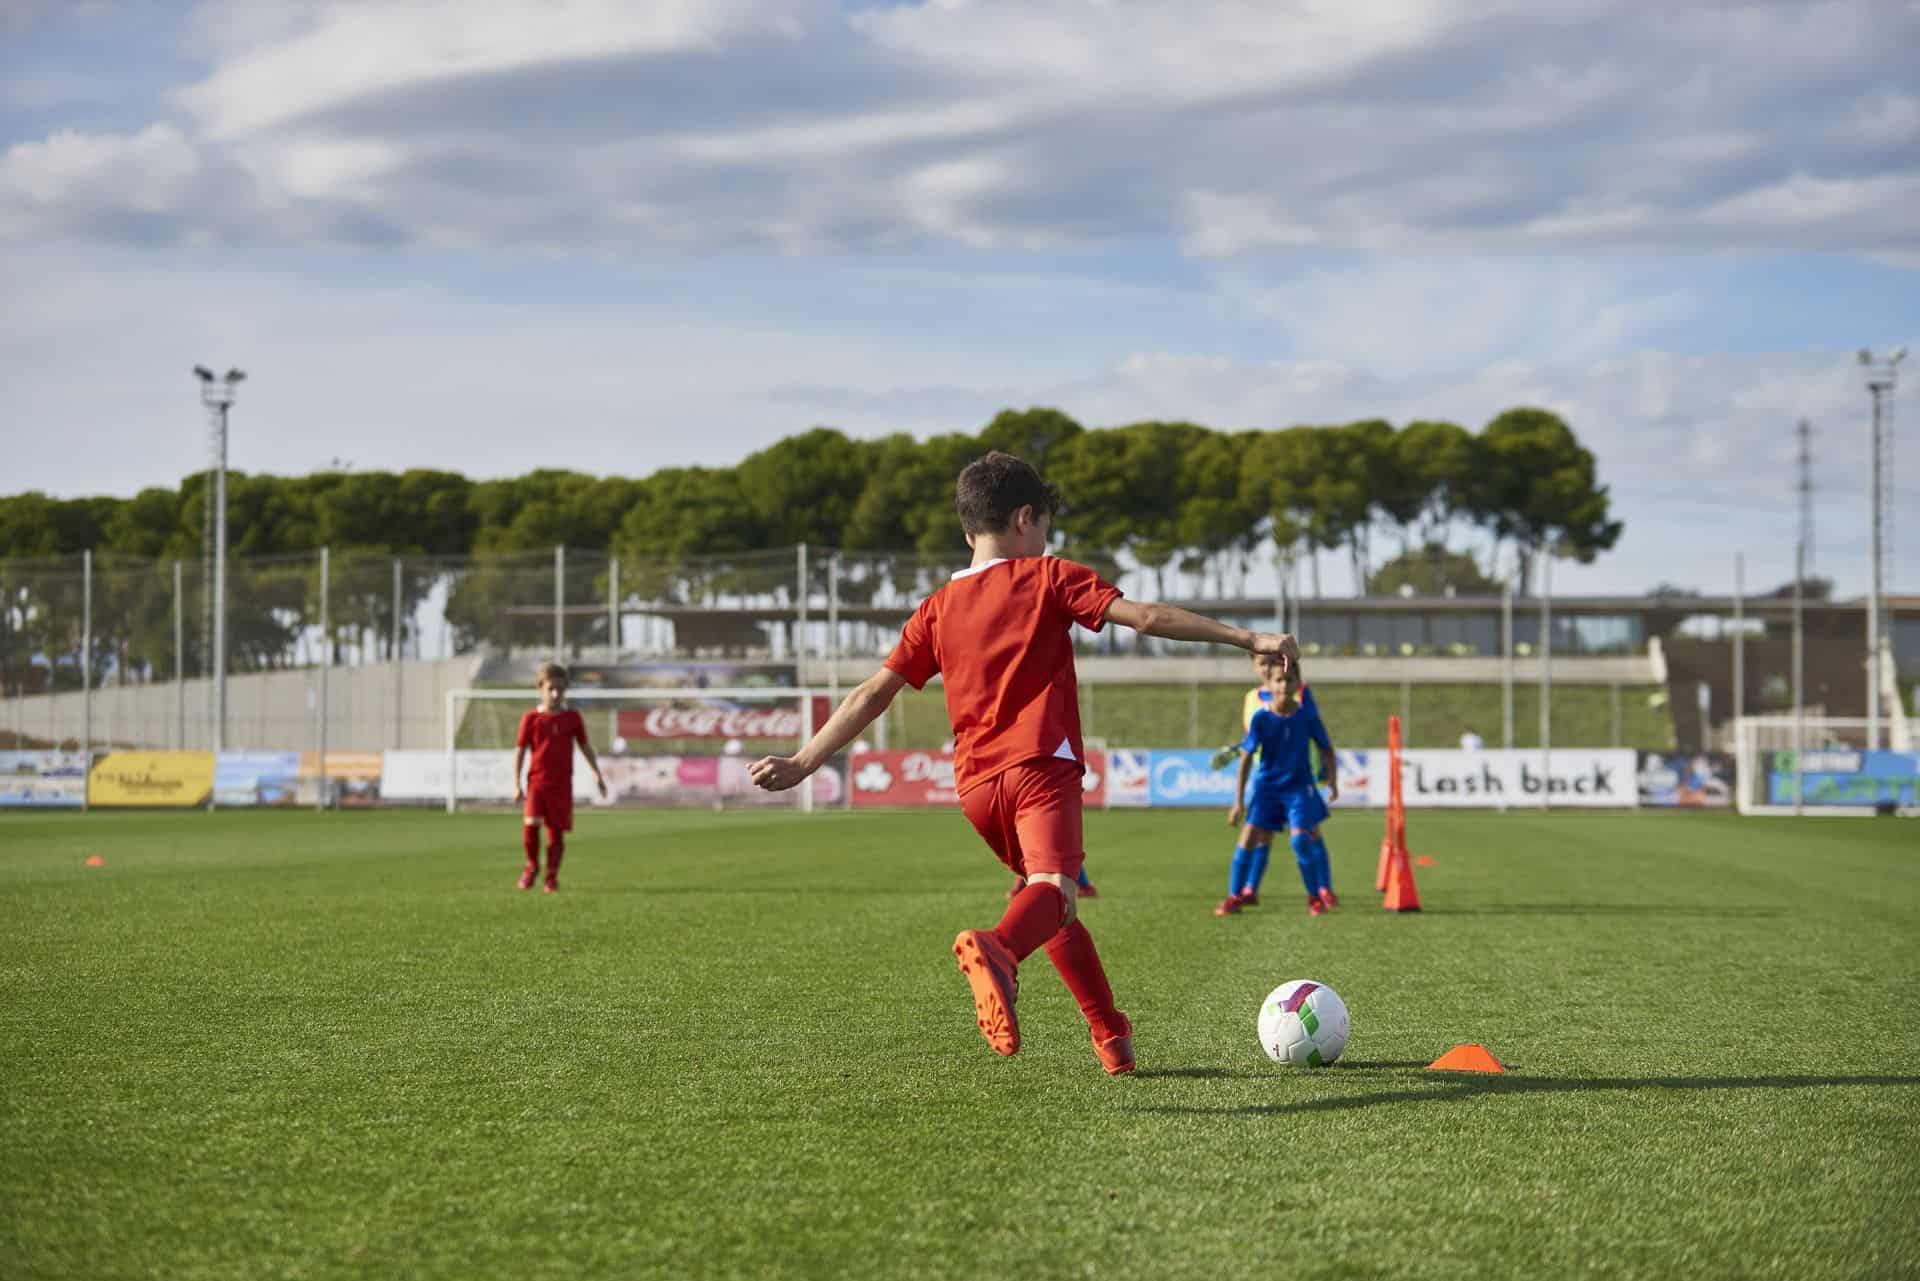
(260, 1045)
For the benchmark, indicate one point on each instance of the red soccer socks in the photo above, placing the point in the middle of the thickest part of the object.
(1031, 919)
(530, 841)
(1073, 955)
(556, 848)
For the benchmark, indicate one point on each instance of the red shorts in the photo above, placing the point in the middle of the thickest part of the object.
(552, 806)
(1030, 816)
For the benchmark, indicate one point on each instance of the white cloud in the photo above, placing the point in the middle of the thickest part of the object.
(349, 49)
(150, 172)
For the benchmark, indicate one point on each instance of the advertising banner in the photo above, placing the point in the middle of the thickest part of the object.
(1185, 778)
(1128, 777)
(256, 778)
(43, 780)
(705, 782)
(1700, 781)
(920, 778)
(711, 719)
(173, 780)
(1847, 778)
(480, 774)
(1581, 778)
(353, 778)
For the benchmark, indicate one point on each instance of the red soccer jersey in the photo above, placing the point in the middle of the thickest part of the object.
(549, 738)
(999, 636)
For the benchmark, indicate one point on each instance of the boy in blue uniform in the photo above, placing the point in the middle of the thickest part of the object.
(1284, 796)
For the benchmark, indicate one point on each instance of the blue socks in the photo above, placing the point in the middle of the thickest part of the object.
(1260, 854)
(1084, 882)
(1242, 871)
(1303, 854)
(1322, 866)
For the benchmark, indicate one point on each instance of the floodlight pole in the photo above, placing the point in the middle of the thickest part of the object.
(1506, 664)
(1881, 375)
(217, 395)
(179, 665)
(86, 651)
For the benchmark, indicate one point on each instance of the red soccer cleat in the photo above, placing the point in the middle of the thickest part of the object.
(552, 886)
(1316, 908)
(1088, 891)
(1327, 899)
(994, 976)
(1116, 1053)
(1249, 898)
(1228, 906)
(526, 879)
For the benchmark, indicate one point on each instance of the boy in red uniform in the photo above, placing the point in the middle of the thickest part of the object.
(549, 733)
(1000, 637)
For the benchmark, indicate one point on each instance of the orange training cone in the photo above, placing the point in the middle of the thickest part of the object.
(1423, 861)
(1402, 894)
(1386, 858)
(96, 861)
(1471, 1057)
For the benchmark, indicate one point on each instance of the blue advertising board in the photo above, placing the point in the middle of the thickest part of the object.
(43, 780)
(1847, 778)
(1184, 777)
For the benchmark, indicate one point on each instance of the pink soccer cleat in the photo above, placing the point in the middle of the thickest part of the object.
(1229, 906)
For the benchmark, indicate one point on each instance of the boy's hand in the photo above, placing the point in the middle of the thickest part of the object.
(1236, 814)
(519, 794)
(777, 773)
(601, 779)
(1333, 790)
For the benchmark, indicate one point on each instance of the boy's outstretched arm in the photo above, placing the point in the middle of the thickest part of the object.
(856, 711)
(1175, 623)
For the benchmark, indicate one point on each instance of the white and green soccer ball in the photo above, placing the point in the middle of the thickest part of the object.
(1303, 1024)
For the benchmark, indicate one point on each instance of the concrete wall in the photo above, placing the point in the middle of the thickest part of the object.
(1235, 669)
(368, 709)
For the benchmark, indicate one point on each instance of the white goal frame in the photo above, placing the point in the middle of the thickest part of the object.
(1755, 736)
(577, 698)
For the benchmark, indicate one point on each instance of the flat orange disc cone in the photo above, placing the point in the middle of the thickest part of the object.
(1472, 1057)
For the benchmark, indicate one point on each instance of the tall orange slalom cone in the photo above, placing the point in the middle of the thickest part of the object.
(1386, 857)
(1402, 894)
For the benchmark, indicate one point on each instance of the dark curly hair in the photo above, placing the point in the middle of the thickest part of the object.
(991, 489)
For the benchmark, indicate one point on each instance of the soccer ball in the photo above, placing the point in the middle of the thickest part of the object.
(1303, 1024)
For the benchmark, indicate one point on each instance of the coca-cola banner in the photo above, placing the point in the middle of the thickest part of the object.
(717, 718)
(922, 778)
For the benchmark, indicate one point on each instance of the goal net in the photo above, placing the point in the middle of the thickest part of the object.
(1820, 765)
(659, 748)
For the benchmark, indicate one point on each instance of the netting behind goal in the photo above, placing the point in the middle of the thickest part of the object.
(660, 748)
(1821, 765)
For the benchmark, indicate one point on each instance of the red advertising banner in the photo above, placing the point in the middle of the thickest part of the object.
(926, 778)
(698, 718)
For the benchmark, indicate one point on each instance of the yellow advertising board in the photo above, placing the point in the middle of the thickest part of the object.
(169, 780)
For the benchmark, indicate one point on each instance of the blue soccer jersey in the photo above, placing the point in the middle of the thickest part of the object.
(1284, 744)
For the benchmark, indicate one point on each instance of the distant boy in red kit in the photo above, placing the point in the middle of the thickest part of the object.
(1000, 636)
(549, 733)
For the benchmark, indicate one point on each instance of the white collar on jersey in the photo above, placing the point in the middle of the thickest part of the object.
(974, 569)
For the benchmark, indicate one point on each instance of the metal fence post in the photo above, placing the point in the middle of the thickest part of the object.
(179, 664)
(833, 627)
(397, 727)
(326, 662)
(800, 624)
(86, 651)
(613, 610)
(559, 602)
(1506, 665)
(1546, 678)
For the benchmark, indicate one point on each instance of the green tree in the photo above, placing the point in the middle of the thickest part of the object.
(1431, 570)
(1536, 485)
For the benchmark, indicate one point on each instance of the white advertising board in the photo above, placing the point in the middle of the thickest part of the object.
(1574, 778)
(479, 775)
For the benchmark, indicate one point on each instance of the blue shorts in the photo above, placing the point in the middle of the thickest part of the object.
(1298, 809)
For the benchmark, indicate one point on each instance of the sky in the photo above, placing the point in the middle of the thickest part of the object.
(615, 237)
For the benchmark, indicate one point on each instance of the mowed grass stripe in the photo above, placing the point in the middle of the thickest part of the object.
(280, 1044)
